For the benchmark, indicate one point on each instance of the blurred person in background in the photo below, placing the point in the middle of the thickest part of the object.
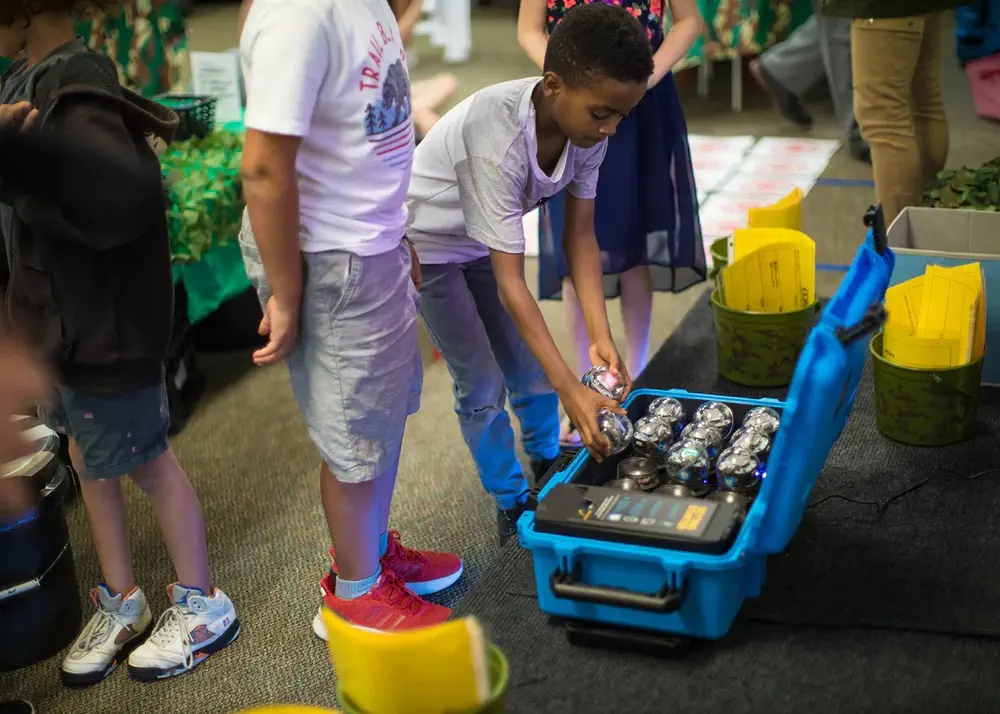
(818, 49)
(646, 210)
(428, 95)
(896, 57)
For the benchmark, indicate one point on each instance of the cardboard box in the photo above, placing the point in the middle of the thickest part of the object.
(948, 237)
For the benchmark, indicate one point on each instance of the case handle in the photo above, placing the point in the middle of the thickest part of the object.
(564, 584)
(872, 320)
(875, 219)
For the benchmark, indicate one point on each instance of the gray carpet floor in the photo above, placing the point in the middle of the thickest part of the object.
(251, 461)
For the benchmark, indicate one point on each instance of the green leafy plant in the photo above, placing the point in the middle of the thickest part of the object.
(205, 193)
(969, 188)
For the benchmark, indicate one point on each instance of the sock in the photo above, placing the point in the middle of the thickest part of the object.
(353, 589)
(383, 544)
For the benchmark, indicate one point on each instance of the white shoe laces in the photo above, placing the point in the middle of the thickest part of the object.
(97, 631)
(171, 627)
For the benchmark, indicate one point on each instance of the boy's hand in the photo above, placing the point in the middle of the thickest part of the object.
(281, 326)
(17, 116)
(415, 273)
(604, 352)
(582, 404)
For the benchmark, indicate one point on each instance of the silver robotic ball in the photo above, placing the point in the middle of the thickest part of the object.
(687, 464)
(616, 428)
(640, 469)
(623, 484)
(736, 470)
(674, 489)
(715, 414)
(741, 502)
(669, 411)
(763, 419)
(651, 436)
(603, 381)
(708, 436)
(748, 438)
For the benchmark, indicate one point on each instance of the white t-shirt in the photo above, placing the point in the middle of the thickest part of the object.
(476, 174)
(334, 73)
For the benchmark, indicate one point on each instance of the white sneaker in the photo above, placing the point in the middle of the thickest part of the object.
(114, 630)
(195, 626)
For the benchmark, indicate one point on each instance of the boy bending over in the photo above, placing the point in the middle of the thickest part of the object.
(498, 155)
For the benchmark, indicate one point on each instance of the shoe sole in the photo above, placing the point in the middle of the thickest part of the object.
(150, 674)
(772, 87)
(89, 679)
(430, 587)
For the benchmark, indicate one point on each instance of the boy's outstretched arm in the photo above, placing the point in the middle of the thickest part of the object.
(491, 205)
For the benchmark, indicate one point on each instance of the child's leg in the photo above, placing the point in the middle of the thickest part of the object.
(101, 445)
(427, 97)
(637, 314)
(456, 328)
(107, 516)
(179, 515)
(355, 372)
(534, 400)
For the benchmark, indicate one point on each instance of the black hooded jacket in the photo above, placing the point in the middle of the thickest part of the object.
(87, 276)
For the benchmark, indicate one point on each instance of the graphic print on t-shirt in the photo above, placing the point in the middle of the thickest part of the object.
(388, 125)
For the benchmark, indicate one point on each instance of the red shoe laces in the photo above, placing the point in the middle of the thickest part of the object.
(396, 549)
(396, 594)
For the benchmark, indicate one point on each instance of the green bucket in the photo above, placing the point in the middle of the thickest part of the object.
(925, 407)
(760, 349)
(720, 256)
(499, 679)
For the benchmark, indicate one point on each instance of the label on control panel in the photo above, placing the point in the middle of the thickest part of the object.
(654, 513)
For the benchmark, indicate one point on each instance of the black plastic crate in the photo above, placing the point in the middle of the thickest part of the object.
(196, 113)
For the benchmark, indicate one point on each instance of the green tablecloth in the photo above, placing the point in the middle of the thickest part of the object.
(206, 209)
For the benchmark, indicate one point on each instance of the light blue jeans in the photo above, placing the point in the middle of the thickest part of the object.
(488, 360)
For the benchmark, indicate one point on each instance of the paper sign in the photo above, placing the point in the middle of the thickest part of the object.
(702, 144)
(709, 180)
(217, 74)
(780, 146)
(715, 162)
(807, 167)
(721, 215)
(743, 182)
(771, 165)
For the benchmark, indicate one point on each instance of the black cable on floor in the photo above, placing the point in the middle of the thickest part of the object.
(882, 506)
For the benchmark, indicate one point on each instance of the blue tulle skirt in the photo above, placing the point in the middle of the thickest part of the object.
(646, 208)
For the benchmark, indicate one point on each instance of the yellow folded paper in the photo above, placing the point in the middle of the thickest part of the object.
(922, 352)
(435, 669)
(785, 213)
(767, 280)
(749, 240)
(902, 305)
(949, 307)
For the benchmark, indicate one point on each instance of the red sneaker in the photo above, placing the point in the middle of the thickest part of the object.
(425, 572)
(388, 606)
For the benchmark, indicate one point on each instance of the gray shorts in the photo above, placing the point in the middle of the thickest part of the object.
(356, 370)
(115, 434)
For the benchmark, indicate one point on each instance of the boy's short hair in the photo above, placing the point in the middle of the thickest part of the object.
(12, 11)
(598, 40)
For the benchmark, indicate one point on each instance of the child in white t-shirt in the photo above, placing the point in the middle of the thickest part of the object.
(326, 164)
(493, 158)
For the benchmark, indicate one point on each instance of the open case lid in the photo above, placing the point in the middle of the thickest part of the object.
(822, 391)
